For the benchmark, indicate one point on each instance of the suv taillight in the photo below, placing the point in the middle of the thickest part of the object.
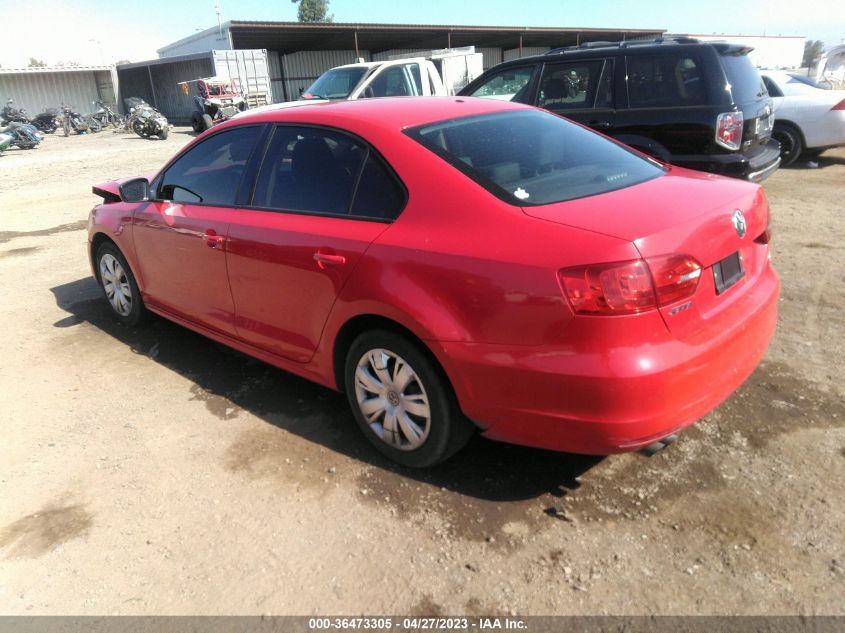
(630, 287)
(729, 129)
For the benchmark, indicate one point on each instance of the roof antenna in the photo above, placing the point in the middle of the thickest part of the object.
(217, 11)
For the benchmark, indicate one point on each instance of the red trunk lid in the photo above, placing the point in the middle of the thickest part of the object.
(686, 212)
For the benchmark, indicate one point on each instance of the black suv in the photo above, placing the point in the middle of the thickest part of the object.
(695, 104)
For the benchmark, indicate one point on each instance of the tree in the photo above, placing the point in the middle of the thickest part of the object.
(812, 52)
(313, 11)
(36, 63)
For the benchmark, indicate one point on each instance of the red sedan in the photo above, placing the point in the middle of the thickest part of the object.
(453, 264)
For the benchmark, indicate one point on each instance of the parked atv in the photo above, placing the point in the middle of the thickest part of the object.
(217, 99)
(145, 120)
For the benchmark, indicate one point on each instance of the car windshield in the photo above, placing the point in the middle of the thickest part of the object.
(531, 157)
(743, 76)
(335, 84)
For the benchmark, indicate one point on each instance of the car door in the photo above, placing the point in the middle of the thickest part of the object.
(180, 235)
(581, 91)
(320, 199)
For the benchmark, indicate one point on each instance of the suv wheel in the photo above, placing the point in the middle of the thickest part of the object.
(402, 401)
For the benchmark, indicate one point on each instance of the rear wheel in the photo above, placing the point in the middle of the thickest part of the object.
(119, 286)
(401, 400)
(207, 122)
(196, 122)
(790, 143)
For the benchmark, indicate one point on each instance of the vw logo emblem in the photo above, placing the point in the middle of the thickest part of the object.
(738, 221)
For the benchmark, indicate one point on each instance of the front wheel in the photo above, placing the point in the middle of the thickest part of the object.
(165, 130)
(119, 286)
(402, 401)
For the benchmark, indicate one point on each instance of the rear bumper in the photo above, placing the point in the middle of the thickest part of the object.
(754, 168)
(597, 398)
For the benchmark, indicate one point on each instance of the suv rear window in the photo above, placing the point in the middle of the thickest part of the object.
(744, 78)
(531, 157)
(665, 80)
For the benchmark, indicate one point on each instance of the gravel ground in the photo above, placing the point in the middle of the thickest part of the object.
(154, 471)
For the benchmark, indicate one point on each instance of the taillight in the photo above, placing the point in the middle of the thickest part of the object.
(630, 287)
(839, 106)
(766, 236)
(729, 129)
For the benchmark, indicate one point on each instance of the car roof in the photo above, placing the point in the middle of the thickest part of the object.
(396, 113)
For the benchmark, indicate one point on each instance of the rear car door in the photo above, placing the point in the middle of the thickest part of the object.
(668, 101)
(180, 235)
(320, 199)
(581, 91)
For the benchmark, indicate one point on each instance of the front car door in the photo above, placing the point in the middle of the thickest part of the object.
(581, 91)
(180, 236)
(320, 199)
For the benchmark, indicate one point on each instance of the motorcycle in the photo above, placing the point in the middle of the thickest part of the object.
(106, 116)
(22, 135)
(11, 114)
(72, 120)
(48, 121)
(145, 120)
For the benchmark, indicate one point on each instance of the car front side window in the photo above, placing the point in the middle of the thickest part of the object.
(210, 172)
(510, 84)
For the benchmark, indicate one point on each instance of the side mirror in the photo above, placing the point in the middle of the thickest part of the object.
(135, 190)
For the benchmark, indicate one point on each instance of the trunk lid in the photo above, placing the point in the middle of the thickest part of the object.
(686, 212)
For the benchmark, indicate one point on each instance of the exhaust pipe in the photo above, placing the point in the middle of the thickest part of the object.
(659, 445)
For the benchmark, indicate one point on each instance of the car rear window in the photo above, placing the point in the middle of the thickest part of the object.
(743, 76)
(531, 157)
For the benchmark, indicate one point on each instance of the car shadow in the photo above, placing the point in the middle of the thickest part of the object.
(228, 382)
(819, 162)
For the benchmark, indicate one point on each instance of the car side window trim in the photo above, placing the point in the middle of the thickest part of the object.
(155, 185)
(369, 151)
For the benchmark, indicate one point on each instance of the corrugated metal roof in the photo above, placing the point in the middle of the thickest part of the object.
(288, 37)
(52, 69)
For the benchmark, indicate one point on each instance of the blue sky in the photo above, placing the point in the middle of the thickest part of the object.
(96, 30)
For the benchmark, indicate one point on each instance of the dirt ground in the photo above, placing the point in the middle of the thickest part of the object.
(154, 471)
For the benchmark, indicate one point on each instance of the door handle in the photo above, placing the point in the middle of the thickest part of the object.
(212, 240)
(601, 125)
(328, 259)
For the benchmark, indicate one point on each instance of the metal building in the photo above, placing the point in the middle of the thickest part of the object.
(298, 53)
(157, 81)
(36, 89)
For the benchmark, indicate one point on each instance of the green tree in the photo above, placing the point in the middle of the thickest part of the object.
(36, 63)
(812, 52)
(313, 11)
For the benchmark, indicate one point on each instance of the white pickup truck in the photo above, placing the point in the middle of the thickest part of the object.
(439, 73)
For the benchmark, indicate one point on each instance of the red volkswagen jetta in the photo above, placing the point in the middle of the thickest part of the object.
(452, 264)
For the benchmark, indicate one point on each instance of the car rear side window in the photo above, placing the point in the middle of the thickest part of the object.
(665, 80)
(379, 194)
(531, 157)
(573, 86)
(771, 88)
(316, 170)
(211, 171)
(743, 77)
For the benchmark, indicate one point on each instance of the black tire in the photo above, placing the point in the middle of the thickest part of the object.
(138, 313)
(207, 122)
(791, 144)
(94, 126)
(164, 132)
(196, 123)
(447, 429)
